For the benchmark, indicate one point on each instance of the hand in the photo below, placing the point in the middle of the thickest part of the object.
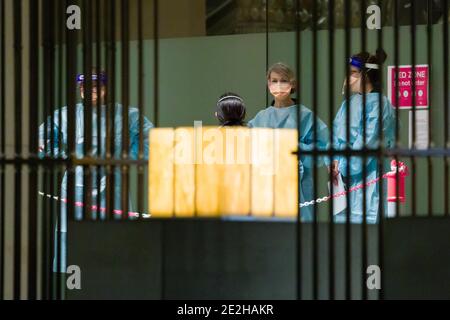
(334, 172)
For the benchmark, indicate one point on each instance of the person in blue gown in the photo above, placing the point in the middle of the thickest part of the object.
(364, 67)
(59, 149)
(283, 114)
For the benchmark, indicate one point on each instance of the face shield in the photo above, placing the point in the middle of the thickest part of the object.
(96, 79)
(357, 70)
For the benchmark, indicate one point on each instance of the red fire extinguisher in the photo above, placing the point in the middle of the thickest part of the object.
(392, 181)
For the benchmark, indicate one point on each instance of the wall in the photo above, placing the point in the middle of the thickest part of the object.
(194, 71)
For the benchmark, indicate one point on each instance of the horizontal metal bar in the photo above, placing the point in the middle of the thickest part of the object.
(431, 152)
(105, 162)
(404, 152)
(62, 162)
(375, 152)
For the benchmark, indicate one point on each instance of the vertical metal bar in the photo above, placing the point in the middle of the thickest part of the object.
(396, 62)
(381, 212)
(87, 105)
(364, 158)
(331, 237)
(108, 105)
(46, 278)
(315, 235)
(33, 147)
(2, 148)
(298, 251)
(125, 100)
(44, 265)
(446, 107)
(111, 105)
(100, 105)
(17, 7)
(50, 100)
(141, 102)
(46, 231)
(155, 62)
(267, 89)
(156, 122)
(348, 279)
(266, 4)
(71, 63)
(430, 108)
(60, 36)
(61, 21)
(413, 87)
(71, 66)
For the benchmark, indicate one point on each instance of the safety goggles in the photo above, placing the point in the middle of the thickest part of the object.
(101, 77)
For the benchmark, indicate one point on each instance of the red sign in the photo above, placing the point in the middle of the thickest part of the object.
(405, 87)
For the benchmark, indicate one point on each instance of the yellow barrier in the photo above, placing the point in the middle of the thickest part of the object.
(212, 172)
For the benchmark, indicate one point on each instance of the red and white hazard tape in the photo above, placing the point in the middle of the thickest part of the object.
(95, 208)
(342, 193)
(302, 205)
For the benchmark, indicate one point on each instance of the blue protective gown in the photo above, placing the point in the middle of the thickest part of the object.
(273, 117)
(356, 142)
(61, 132)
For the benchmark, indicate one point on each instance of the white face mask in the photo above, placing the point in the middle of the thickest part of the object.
(355, 85)
(278, 89)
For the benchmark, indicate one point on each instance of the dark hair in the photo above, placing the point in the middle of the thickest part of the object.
(231, 110)
(373, 75)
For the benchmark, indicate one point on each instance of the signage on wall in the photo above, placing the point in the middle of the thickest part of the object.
(405, 86)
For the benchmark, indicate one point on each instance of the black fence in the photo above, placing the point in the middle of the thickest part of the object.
(49, 179)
